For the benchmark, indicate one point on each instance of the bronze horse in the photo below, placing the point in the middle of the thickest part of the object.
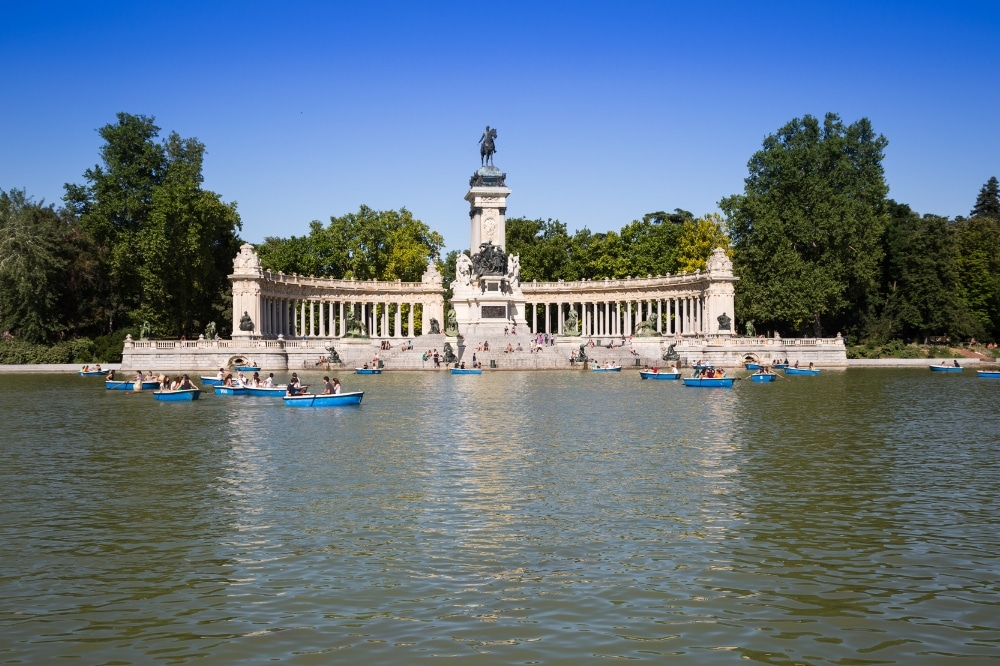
(487, 148)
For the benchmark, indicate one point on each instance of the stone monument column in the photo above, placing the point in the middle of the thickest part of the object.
(720, 295)
(246, 278)
(486, 293)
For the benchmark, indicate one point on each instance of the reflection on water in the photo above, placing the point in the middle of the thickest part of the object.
(558, 517)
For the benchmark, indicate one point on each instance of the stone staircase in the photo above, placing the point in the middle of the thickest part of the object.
(552, 356)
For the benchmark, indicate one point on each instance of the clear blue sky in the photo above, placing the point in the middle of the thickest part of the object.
(605, 111)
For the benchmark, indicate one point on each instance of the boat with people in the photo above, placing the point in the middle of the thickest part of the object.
(230, 390)
(752, 366)
(607, 367)
(92, 373)
(763, 377)
(466, 371)
(709, 376)
(324, 399)
(211, 381)
(801, 371)
(246, 368)
(129, 385)
(659, 374)
(177, 395)
(269, 392)
(946, 368)
(988, 374)
(779, 366)
(368, 371)
(718, 382)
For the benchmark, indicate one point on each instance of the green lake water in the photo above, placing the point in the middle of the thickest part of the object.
(511, 518)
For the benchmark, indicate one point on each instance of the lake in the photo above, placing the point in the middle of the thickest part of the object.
(560, 517)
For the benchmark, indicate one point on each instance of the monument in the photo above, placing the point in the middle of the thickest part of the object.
(487, 296)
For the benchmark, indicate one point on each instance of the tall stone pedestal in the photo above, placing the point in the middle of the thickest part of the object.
(487, 294)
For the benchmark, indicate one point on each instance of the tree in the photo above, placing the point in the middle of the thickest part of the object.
(698, 238)
(165, 244)
(544, 246)
(988, 201)
(978, 265)
(920, 279)
(30, 267)
(367, 245)
(806, 232)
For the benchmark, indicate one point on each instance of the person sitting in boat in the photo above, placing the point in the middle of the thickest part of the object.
(673, 369)
(255, 380)
(796, 363)
(697, 373)
(221, 374)
(186, 384)
(956, 364)
(228, 380)
(97, 367)
(327, 386)
(111, 375)
(811, 366)
(137, 381)
(86, 368)
(269, 382)
(462, 365)
(336, 386)
(254, 364)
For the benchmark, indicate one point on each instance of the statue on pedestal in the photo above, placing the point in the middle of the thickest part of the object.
(725, 323)
(581, 356)
(333, 356)
(451, 324)
(463, 270)
(490, 260)
(670, 354)
(646, 328)
(486, 146)
(449, 354)
(435, 327)
(246, 324)
(144, 331)
(571, 325)
(352, 327)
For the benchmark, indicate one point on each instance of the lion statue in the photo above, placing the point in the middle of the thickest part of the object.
(571, 325)
(646, 328)
(451, 324)
(352, 327)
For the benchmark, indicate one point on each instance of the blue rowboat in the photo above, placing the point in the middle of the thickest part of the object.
(211, 381)
(649, 374)
(128, 384)
(230, 390)
(324, 399)
(760, 378)
(179, 395)
(93, 373)
(246, 368)
(801, 371)
(752, 366)
(946, 368)
(988, 374)
(466, 371)
(701, 366)
(274, 392)
(368, 371)
(779, 366)
(617, 368)
(723, 382)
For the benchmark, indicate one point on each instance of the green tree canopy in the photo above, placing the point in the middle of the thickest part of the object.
(367, 245)
(807, 230)
(165, 244)
(698, 238)
(988, 202)
(920, 279)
